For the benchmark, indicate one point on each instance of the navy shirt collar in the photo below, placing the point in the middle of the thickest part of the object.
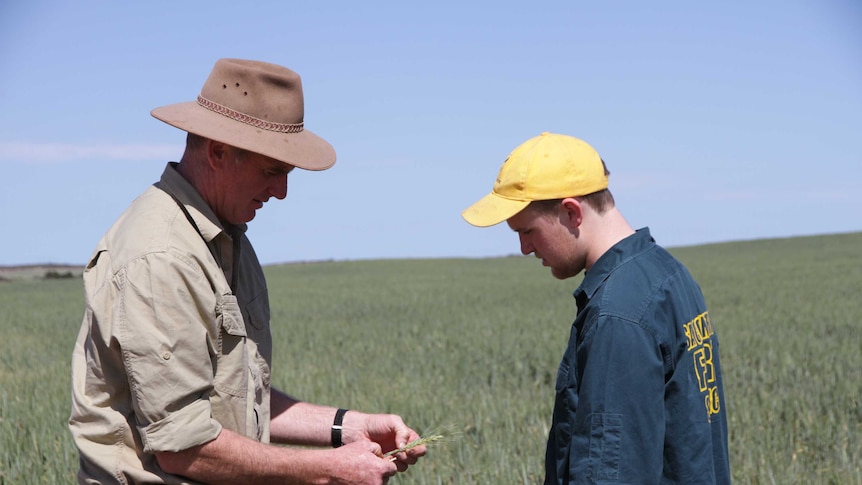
(607, 263)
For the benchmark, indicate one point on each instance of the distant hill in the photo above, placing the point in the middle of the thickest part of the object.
(40, 271)
(59, 271)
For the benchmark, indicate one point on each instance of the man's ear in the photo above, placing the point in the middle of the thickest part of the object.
(218, 154)
(571, 212)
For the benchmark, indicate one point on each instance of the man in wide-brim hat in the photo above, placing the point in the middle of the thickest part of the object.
(171, 370)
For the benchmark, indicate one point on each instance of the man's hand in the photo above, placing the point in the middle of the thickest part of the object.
(386, 430)
(360, 463)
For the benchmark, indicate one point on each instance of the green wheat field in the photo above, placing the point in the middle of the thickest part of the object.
(471, 346)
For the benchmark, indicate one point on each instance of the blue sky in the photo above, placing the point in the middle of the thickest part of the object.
(719, 121)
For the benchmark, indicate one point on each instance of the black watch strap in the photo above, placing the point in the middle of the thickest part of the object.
(336, 428)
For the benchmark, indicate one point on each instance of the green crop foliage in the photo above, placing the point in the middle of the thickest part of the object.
(472, 346)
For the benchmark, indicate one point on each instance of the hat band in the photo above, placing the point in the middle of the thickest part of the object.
(249, 120)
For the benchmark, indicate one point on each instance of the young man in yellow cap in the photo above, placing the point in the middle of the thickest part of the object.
(171, 370)
(639, 396)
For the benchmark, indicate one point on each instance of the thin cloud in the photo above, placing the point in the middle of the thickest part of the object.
(779, 193)
(64, 152)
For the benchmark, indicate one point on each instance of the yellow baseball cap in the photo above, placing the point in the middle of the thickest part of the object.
(545, 167)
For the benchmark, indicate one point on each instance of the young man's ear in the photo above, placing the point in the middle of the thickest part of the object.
(571, 212)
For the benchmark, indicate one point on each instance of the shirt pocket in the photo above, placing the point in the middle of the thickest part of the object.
(232, 362)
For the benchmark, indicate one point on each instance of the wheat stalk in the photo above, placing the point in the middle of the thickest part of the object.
(414, 444)
(418, 442)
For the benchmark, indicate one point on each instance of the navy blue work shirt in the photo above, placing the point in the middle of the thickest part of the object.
(639, 397)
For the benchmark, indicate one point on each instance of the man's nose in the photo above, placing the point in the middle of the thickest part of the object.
(526, 247)
(278, 188)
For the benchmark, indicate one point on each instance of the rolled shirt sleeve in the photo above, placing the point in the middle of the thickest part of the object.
(166, 330)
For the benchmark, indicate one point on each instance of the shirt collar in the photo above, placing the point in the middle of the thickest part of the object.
(608, 262)
(203, 216)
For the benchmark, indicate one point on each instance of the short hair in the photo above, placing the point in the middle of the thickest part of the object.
(600, 201)
(196, 142)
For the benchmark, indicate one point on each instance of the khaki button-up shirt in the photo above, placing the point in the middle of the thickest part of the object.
(175, 341)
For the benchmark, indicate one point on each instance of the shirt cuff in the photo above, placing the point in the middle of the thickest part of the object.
(181, 430)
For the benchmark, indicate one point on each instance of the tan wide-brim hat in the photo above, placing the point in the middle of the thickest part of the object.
(256, 106)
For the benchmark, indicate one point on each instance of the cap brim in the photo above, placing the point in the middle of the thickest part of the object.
(493, 209)
(303, 150)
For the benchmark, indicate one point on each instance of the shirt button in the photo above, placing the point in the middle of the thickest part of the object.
(166, 356)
